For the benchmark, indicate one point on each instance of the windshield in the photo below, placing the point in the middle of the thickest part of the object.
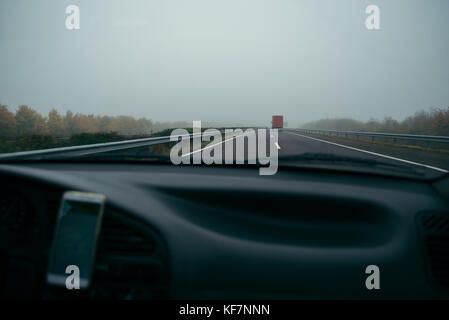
(353, 85)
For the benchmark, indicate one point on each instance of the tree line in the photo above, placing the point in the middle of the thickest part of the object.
(433, 122)
(26, 129)
(26, 121)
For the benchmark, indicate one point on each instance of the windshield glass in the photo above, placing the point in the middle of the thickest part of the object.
(352, 85)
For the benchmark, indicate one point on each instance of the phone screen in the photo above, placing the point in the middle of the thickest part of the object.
(75, 239)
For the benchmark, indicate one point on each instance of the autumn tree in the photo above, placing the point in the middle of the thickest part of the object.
(84, 123)
(29, 122)
(7, 122)
(124, 125)
(103, 123)
(440, 124)
(390, 125)
(68, 123)
(55, 124)
(143, 126)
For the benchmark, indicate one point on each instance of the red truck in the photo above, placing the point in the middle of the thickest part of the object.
(277, 122)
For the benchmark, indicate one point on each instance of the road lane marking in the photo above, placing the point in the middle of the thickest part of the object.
(374, 153)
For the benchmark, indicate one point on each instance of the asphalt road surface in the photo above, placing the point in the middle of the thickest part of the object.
(291, 143)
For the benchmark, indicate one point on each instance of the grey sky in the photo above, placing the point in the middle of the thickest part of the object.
(226, 60)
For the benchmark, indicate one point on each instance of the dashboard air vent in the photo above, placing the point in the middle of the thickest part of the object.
(435, 230)
(131, 260)
(117, 237)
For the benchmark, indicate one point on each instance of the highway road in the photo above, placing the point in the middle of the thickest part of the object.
(291, 143)
(309, 147)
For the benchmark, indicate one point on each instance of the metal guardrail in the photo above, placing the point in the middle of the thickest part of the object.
(394, 136)
(86, 149)
(135, 143)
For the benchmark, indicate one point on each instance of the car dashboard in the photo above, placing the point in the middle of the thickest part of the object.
(211, 232)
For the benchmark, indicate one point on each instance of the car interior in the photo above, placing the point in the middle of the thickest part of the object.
(214, 232)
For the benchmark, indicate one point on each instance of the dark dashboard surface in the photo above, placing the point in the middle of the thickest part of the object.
(211, 232)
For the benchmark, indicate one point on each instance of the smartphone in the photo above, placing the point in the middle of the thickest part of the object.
(75, 238)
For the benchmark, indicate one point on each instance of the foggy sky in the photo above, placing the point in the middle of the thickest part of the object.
(231, 61)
